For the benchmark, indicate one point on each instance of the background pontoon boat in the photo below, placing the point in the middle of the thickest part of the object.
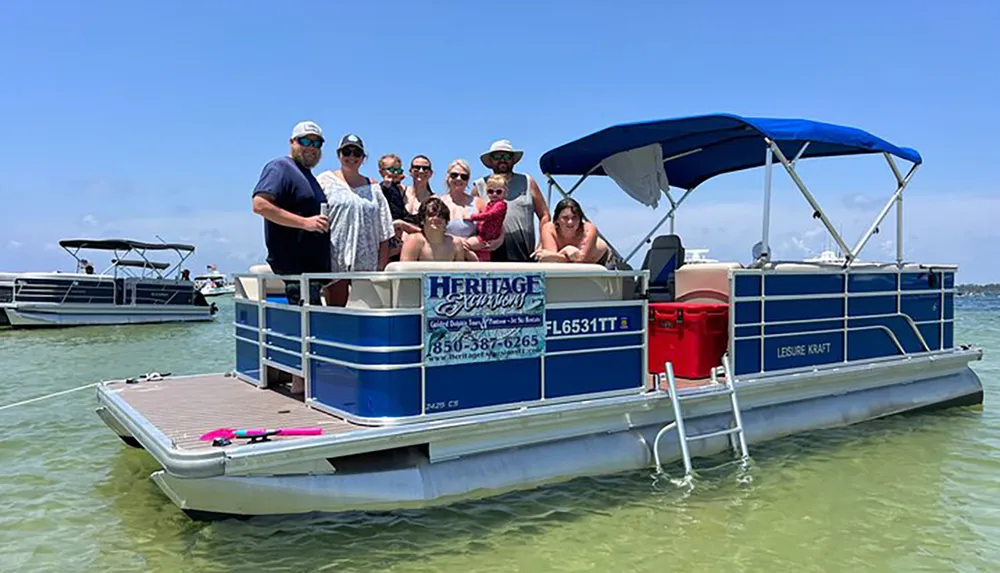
(130, 291)
(446, 381)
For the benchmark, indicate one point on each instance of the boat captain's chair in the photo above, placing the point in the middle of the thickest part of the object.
(664, 257)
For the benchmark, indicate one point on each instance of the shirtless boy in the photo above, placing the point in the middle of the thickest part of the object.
(432, 243)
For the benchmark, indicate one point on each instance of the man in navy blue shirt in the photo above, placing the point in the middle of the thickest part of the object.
(288, 197)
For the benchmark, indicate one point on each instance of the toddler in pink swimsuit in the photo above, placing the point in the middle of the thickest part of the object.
(489, 222)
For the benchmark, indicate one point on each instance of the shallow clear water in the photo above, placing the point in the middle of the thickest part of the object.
(912, 493)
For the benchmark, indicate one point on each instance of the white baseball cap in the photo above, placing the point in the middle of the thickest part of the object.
(306, 128)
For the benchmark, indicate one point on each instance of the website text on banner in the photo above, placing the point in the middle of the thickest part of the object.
(483, 317)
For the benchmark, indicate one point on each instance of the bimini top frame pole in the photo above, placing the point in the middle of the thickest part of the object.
(701, 147)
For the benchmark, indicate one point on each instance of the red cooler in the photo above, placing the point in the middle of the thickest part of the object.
(692, 336)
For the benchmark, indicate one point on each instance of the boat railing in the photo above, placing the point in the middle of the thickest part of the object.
(798, 317)
(64, 289)
(412, 344)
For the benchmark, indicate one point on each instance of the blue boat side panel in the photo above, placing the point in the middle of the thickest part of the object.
(247, 332)
(283, 358)
(747, 312)
(745, 331)
(562, 322)
(248, 359)
(864, 344)
(800, 350)
(949, 306)
(811, 283)
(246, 314)
(782, 310)
(362, 357)
(899, 327)
(589, 343)
(909, 281)
(949, 335)
(932, 334)
(747, 356)
(277, 298)
(284, 321)
(361, 330)
(871, 305)
(290, 345)
(804, 327)
(578, 374)
(949, 280)
(747, 285)
(921, 307)
(366, 393)
(483, 384)
(872, 282)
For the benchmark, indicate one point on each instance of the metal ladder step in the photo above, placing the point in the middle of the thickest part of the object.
(738, 443)
(708, 435)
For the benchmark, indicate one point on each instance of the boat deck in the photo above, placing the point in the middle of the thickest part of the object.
(185, 408)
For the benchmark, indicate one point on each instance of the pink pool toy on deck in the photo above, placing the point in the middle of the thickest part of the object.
(230, 433)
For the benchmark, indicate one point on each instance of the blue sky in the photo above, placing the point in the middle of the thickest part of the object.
(136, 119)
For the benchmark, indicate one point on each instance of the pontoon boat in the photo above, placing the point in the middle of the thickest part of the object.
(129, 291)
(450, 381)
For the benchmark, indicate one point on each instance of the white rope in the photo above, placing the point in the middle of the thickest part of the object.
(53, 395)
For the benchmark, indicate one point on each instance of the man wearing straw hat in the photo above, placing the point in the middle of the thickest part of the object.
(524, 203)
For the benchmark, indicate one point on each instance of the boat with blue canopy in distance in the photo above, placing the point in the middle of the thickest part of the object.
(440, 382)
(132, 290)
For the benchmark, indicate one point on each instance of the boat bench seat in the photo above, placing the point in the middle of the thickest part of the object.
(387, 292)
(703, 282)
(406, 293)
(247, 287)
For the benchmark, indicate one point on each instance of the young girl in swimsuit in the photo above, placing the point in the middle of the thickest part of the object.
(489, 223)
(571, 238)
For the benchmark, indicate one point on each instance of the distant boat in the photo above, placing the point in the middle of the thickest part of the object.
(130, 291)
(214, 283)
(827, 257)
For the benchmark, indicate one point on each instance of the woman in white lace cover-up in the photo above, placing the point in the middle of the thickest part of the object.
(360, 221)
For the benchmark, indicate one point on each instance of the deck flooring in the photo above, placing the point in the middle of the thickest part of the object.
(682, 383)
(185, 408)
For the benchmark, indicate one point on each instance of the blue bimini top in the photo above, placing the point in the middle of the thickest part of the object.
(715, 144)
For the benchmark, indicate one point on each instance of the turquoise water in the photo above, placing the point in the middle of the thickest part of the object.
(912, 493)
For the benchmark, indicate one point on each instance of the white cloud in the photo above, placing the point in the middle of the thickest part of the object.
(12, 244)
(89, 220)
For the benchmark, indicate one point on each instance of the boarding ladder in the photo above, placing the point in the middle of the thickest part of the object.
(737, 437)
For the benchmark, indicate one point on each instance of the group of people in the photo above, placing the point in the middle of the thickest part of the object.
(342, 221)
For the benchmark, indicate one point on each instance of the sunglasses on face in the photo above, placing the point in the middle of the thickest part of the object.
(351, 152)
(394, 170)
(501, 156)
(420, 167)
(497, 191)
(462, 176)
(308, 141)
